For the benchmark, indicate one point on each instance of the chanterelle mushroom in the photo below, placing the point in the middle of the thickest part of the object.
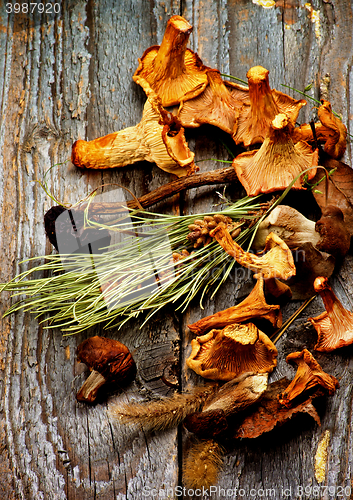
(217, 105)
(335, 325)
(158, 138)
(276, 260)
(225, 354)
(278, 161)
(174, 72)
(109, 361)
(255, 120)
(309, 375)
(254, 306)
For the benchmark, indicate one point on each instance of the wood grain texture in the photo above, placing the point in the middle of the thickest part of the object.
(67, 77)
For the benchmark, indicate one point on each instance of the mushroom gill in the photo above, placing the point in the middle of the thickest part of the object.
(158, 138)
(173, 71)
(276, 260)
(225, 354)
(309, 375)
(335, 325)
(215, 106)
(278, 161)
(252, 307)
(255, 119)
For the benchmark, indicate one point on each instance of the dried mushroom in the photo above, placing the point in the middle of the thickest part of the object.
(269, 413)
(331, 131)
(233, 397)
(254, 306)
(215, 106)
(255, 119)
(335, 325)
(290, 225)
(173, 71)
(158, 138)
(225, 354)
(109, 361)
(309, 375)
(276, 260)
(278, 161)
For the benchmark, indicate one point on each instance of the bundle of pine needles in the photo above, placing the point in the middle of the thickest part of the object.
(134, 275)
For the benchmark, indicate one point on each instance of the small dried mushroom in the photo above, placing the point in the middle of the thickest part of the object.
(309, 376)
(276, 260)
(200, 229)
(233, 397)
(158, 138)
(225, 354)
(278, 161)
(335, 325)
(173, 71)
(254, 306)
(109, 361)
(255, 120)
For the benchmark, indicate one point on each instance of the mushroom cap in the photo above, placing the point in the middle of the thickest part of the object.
(255, 119)
(335, 325)
(289, 225)
(253, 306)
(278, 161)
(216, 106)
(225, 354)
(173, 71)
(109, 357)
(309, 375)
(335, 236)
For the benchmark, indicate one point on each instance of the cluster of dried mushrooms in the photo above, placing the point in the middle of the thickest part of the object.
(229, 348)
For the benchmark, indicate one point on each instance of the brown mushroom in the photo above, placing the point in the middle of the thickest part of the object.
(174, 72)
(233, 397)
(269, 413)
(290, 225)
(276, 260)
(225, 354)
(335, 325)
(158, 138)
(278, 161)
(331, 131)
(255, 120)
(215, 106)
(335, 236)
(309, 375)
(109, 361)
(254, 306)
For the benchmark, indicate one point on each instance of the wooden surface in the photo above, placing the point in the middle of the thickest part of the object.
(69, 77)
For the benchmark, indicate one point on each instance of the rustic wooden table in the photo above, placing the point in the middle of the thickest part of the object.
(69, 76)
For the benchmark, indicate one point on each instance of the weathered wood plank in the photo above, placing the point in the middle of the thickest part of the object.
(70, 77)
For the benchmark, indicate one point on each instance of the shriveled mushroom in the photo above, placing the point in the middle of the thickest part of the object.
(255, 120)
(225, 354)
(216, 106)
(110, 361)
(309, 375)
(335, 325)
(289, 225)
(173, 71)
(158, 138)
(276, 261)
(269, 413)
(278, 161)
(254, 306)
(233, 397)
(331, 131)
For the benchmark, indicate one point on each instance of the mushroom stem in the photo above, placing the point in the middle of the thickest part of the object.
(171, 53)
(89, 389)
